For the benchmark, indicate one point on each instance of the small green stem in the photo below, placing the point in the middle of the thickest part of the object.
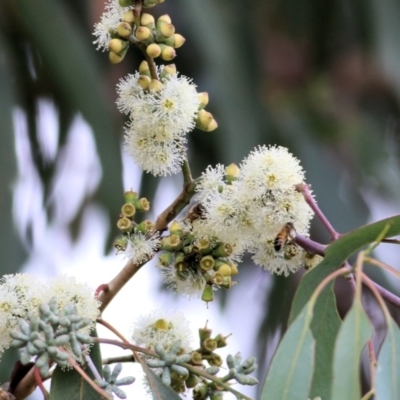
(187, 174)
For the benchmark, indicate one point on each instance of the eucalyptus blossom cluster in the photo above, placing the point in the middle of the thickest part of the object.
(21, 308)
(180, 364)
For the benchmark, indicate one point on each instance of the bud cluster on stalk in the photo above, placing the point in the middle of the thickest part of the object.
(126, 223)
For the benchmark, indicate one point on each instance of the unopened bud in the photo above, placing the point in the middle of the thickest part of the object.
(203, 97)
(114, 57)
(117, 45)
(144, 81)
(168, 53)
(208, 294)
(212, 126)
(204, 118)
(143, 33)
(144, 68)
(147, 20)
(231, 172)
(130, 196)
(153, 50)
(164, 30)
(169, 69)
(164, 18)
(155, 85)
(192, 381)
(225, 270)
(128, 17)
(124, 29)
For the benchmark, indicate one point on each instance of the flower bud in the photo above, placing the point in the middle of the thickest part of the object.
(130, 196)
(231, 172)
(167, 52)
(114, 57)
(164, 30)
(124, 224)
(224, 269)
(128, 210)
(203, 119)
(200, 392)
(143, 34)
(147, 20)
(117, 45)
(129, 17)
(208, 294)
(161, 324)
(169, 69)
(155, 85)
(234, 268)
(124, 29)
(212, 126)
(203, 97)
(144, 81)
(179, 40)
(164, 18)
(153, 50)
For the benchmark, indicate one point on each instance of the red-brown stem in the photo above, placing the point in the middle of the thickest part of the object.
(101, 288)
(117, 283)
(372, 360)
(26, 386)
(304, 189)
(112, 329)
(388, 296)
(39, 382)
(310, 246)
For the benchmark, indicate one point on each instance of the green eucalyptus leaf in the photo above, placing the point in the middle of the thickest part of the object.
(68, 384)
(388, 366)
(353, 336)
(158, 390)
(290, 373)
(325, 326)
(337, 253)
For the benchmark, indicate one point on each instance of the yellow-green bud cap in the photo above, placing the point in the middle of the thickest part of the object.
(143, 33)
(192, 381)
(147, 20)
(197, 358)
(124, 224)
(164, 18)
(203, 245)
(179, 40)
(207, 263)
(161, 325)
(176, 228)
(225, 270)
(153, 50)
(142, 204)
(144, 68)
(125, 3)
(212, 126)
(165, 29)
(234, 268)
(204, 118)
(145, 226)
(117, 45)
(168, 53)
(128, 210)
(232, 169)
(155, 85)
(115, 58)
(120, 243)
(222, 250)
(124, 29)
(128, 17)
(208, 294)
(203, 97)
(130, 196)
(144, 81)
(209, 345)
(169, 69)
(165, 259)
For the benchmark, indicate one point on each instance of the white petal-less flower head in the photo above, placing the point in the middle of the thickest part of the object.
(289, 260)
(155, 157)
(109, 21)
(190, 284)
(212, 179)
(140, 248)
(66, 289)
(163, 327)
(269, 168)
(172, 108)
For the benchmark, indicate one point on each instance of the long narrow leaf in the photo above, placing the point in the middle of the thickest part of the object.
(289, 377)
(352, 337)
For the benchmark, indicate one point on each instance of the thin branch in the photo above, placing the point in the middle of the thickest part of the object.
(26, 385)
(187, 174)
(39, 382)
(304, 189)
(310, 246)
(92, 367)
(388, 296)
(393, 241)
(372, 362)
(120, 359)
(112, 329)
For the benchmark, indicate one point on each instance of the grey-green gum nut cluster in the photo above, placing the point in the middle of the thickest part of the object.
(110, 383)
(239, 370)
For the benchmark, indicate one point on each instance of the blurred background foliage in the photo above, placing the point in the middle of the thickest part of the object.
(321, 78)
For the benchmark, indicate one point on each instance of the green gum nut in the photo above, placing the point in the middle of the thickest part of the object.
(215, 360)
(208, 294)
(209, 345)
(207, 263)
(192, 381)
(130, 196)
(142, 204)
(221, 340)
(197, 358)
(120, 243)
(222, 250)
(165, 259)
(180, 264)
(204, 245)
(145, 226)
(128, 210)
(176, 228)
(200, 392)
(204, 333)
(124, 224)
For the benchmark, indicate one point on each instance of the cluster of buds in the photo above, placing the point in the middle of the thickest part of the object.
(200, 257)
(205, 120)
(111, 384)
(44, 337)
(159, 36)
(126, 223)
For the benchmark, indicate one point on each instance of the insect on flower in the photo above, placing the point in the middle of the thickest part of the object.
(285, 236)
